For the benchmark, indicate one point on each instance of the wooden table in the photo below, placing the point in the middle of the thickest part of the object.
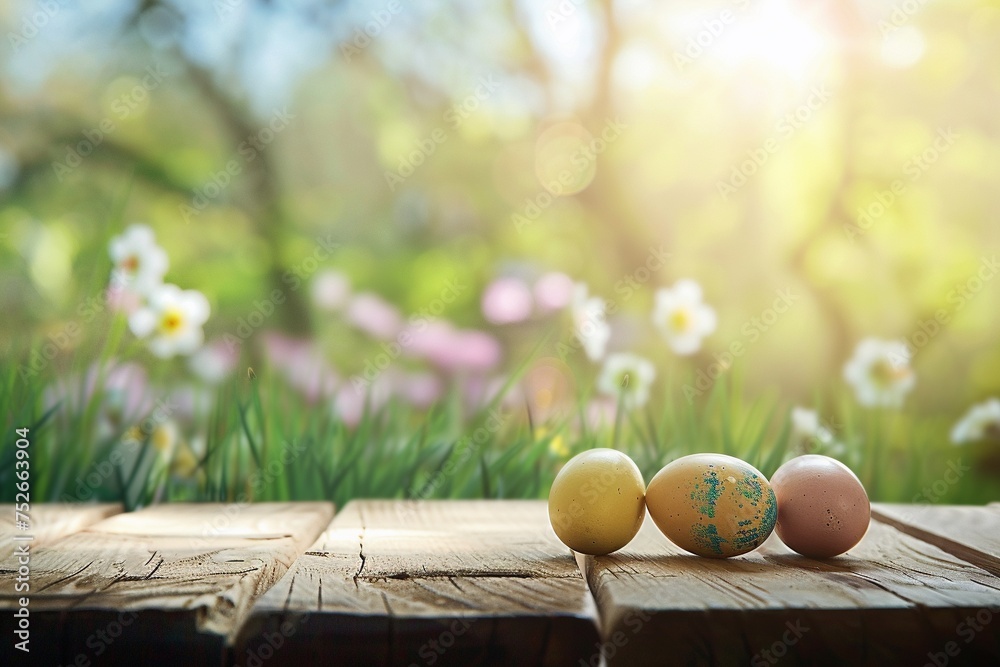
(485, 583)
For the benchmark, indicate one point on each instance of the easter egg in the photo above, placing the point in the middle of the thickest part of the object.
(596, 502)
(823, 509)
(712, 505)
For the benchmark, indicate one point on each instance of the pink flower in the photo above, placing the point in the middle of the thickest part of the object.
(473, 351)
(121, 298)
(281, 349)
(600, 413)
(331, 290)
(131, 383)
(303, 365)
(479, 392)
(214, 362)
(548, 389)
(124, 397)
(349, 403)
(374, 315)
(349, 406)
(553, 291)
(187, 403)
(506, 300)
(419, 389)
(451, 349)
(427, 338)
(312, 376)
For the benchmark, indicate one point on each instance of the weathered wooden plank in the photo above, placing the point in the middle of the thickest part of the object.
(892, 600)
(49, 522)
(430, 582)
(969, 532)
(165, 585)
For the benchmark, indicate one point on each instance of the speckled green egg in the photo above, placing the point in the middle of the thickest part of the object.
(712, 505)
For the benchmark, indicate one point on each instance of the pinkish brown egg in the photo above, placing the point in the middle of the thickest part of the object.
(823, 509)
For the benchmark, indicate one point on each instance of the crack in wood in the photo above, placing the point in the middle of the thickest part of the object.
(66, 578)
(919, 524)
(361, 548)
(465, 575)
(150, 575)
(288, 596)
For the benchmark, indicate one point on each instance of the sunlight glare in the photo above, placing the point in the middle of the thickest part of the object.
(776, 37)
(903, 47)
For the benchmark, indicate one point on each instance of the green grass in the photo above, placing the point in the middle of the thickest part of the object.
(262, 442)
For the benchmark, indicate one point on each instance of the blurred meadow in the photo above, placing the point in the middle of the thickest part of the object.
(264, 250)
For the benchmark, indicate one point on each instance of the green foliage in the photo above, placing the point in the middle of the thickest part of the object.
(263, 442)
(839, 214)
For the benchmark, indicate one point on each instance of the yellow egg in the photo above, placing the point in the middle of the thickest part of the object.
(596, 504)
(712, 505)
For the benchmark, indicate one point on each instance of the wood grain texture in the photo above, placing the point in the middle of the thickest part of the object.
(969, 532)
(49, 522)
(165, 585)
(430, 582)
(892, 600)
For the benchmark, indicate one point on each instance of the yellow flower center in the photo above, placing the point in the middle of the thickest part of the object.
(171, 322)
(885, 374)
(680, 320)
(625, 382)
(163, 439)
(185, 463)
(559, 447)
(131, 264)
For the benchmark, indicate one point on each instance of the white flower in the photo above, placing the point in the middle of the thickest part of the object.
(627, 375)
(589, 322)
(682, 317)
(810, 436)
(806, 426)
(880, 372)
(139, 262)
(215, 361)
(980, 422)
(330, 290)
(173, 317)
(374, 315)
